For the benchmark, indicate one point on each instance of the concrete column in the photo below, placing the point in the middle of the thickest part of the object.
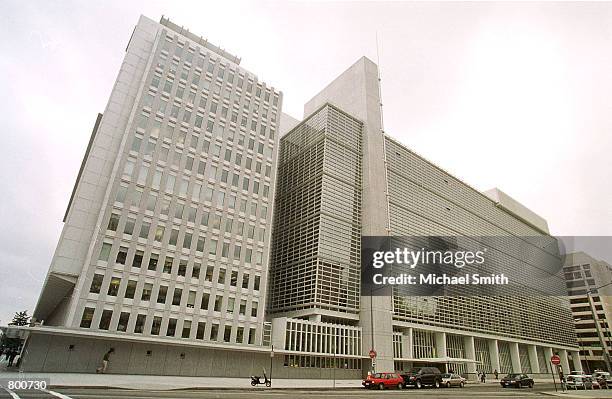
(494, 355)
(533, 359)
(407, 343)
(548, 352)
(470, 353)
(564, 361)
(440, 344)
(515, 357)
(576, 363)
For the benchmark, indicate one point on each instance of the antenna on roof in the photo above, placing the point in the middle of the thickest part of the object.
(382, 126)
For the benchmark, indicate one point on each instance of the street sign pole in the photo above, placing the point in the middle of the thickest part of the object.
(555, 361)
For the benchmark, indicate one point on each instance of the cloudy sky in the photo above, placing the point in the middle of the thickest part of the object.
(511, 95)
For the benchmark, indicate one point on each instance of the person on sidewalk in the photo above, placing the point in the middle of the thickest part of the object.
(105, 359)
(483, 377)
(496, 374)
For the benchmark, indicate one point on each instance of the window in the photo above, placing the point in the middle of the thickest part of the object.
(171, 330)
(245, 281)
(191, 299)
(113, 222)
(105, 319)
(200, 330)
(242, 309)
(130, 290)
(146, 292)
(212, 247)
(205, 300)
(153, 262)
(144, 230)
(96, 283)
(221, 279)
(218, 302)
(251, 336)
(225, 250)
(237, 249)
(186, 329)
(178, 294)
(137, 261)
(168, 265)
(187, 241)
(209, 273)
(192, 214)
(195, 272)
(234, 278)
(239, 335)
(129, 226)
(140, 321)
(105, 252)
(214, 332)
(182, 270)
(256, 285)
(87, 317)
(113, 287)
(173, 237)
(254, 309)
(230, 305)
(200, 244)
(156, 325)
(159, 233)
(161, 294)
(227, 334)
(124, 319)
(151, 202)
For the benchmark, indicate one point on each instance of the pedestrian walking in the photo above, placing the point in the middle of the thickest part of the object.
(496, 373)
(105, 360)
(483, 377)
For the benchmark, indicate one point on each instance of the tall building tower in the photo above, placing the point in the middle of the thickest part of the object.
(590, 297)
(164, 251)
(341, 177)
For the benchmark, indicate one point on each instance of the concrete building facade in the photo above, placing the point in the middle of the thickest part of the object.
(165, 245)
(590, 298)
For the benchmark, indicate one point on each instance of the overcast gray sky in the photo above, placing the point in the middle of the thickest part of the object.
(513, 95)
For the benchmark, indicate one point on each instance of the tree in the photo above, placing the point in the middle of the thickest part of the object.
(20, 319)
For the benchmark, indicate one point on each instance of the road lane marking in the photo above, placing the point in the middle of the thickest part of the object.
(13, 394)
(56, 394)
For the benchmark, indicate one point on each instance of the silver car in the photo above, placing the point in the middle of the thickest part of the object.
(452, 380)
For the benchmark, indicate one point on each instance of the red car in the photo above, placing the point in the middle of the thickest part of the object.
(383, 380)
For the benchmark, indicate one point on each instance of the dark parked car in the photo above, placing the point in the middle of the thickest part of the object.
(423, 376)
(517, 381)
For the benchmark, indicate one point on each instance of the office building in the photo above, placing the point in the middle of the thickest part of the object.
(340, 177)
(590, 298)
(164, 250)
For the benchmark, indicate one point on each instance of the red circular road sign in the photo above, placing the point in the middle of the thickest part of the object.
(556, 360)
(372, 354)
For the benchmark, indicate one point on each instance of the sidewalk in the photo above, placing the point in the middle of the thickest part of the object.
(155, 382)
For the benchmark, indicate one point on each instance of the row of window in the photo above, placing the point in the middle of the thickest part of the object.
(193, 55)
(178, 299)
(192, 165)
(170, 329)
(168, 266)
(186, 239)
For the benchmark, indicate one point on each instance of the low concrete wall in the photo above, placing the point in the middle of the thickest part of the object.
(64, 354)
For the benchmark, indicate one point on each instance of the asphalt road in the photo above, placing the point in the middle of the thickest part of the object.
(473, 391)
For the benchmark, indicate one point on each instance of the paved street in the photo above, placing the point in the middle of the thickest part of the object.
(474, 391)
